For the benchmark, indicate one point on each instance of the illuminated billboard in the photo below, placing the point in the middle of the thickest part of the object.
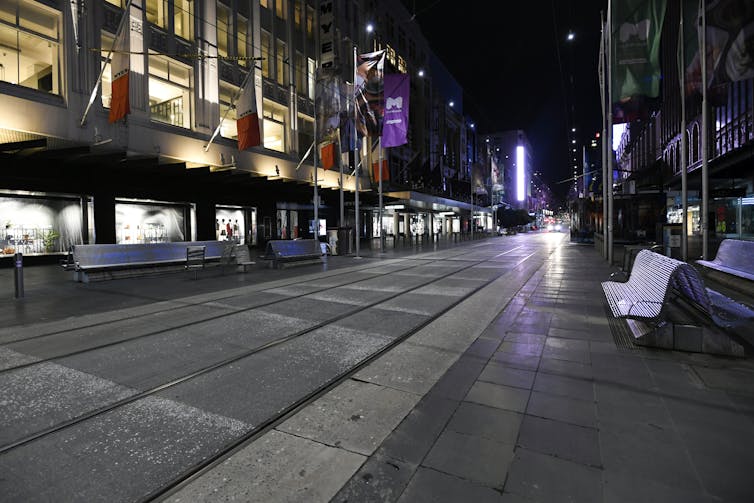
(520, 192)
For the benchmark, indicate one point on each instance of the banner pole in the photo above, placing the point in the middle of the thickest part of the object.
(705, 132)
(355, 154)
(684, 153)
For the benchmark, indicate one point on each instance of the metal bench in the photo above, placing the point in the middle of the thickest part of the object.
(733, 266)
(296, 251)
(195, 259)
(645, 299)
(98, 262)
(644, 294)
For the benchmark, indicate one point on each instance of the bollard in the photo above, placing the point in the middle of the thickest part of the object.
(19, 275)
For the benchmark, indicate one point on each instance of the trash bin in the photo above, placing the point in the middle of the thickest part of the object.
(345, 240)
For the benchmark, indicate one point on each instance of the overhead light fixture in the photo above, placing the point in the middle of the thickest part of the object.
(395, 207)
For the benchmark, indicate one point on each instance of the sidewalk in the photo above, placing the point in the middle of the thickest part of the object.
(543, 405)
(520, 393)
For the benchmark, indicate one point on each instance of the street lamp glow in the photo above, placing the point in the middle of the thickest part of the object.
(421, 73)
(451, 103)
(570, 36)
(370, 27)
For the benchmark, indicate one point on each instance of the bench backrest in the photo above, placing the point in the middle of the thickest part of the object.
(111, 254)
(736, 254)
(656, 273)
(292, 248)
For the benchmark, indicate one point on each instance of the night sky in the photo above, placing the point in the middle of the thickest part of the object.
(516, 68)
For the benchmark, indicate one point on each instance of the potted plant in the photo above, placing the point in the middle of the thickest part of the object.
(48, 239)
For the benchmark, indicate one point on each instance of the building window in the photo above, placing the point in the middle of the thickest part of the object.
(30, 45)
(281, 60)
(242, 31)
(227, 93)
(106, 42)
(266, 54)
(309, 21)
(157, 12)
(281, 9)
(274, 126)
(169, 91)
(300, 69)
(223, 25)
(305, 132)
(298, 8)
(183, 19)
(310, 77)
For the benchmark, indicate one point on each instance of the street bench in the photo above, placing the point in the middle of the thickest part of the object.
(235, 255)
(99, 262)
(656, 281)
(281, 252)
(733, 266)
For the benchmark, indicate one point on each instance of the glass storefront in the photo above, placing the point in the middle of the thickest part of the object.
(236, 223)
(35, 224)
(139, 222)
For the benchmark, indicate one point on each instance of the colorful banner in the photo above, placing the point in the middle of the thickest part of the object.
(370, 93)
(247, 117)
(730, 28)
(635, 56)
(120, 104)
(395, 124)
(329, 104)
(376, 172)
(327, 156)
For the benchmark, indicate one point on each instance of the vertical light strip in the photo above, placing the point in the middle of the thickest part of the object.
(520, 173)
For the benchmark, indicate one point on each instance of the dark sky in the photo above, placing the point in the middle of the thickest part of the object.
(516, 66)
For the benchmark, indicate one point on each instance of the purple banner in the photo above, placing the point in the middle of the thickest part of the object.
(395, 122)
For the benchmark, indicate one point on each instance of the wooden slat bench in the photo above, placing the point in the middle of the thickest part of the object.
(281, 252)
(98, 262)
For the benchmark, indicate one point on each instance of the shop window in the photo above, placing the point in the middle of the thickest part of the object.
(169, 91)
(274, 126)
(183, 19)
(30, 46)
(139, 222)
(227, 94)
(157, 12)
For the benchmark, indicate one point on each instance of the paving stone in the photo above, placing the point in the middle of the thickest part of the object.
(415, 435)
(582, 389)
(515, 360)
(566, 368)
(487, 422)
(569, 410)
(457, 381)
(471, 457)
(647, 452)
(431, 486)
(502, 397)
(623, 488)
(379, 479)
(563, 440)
(542, 478)
(499, 373)
(356, 416)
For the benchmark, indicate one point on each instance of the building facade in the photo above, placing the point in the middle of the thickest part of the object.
(172, 170)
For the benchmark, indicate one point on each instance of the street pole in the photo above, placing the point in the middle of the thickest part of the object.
(356, 154)
(705, 132)
(379, 170)
(684, 153)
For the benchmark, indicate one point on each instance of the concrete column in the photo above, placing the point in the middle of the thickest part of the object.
(205, 220)
(104, 217)
(407, 225)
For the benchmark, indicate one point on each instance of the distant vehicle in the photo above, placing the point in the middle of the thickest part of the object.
(555, 227)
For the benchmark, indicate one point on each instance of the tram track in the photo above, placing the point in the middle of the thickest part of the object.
(256, 429)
